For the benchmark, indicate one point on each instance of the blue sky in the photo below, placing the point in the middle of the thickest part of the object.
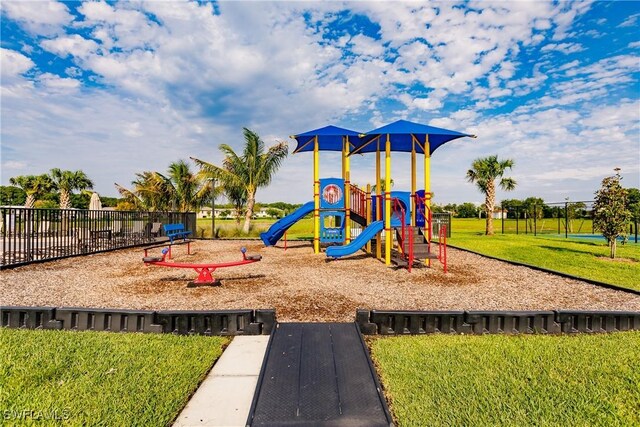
(115, 88)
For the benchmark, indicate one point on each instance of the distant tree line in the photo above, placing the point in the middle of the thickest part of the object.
(238, 178)
(536, 207)
(55, 189)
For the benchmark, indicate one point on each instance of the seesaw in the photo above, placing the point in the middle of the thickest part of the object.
(204, 270)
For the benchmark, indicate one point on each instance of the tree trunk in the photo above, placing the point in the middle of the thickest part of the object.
(490, 202)
(65, 200)
(251, 201)
(612, 246)
(30, 201)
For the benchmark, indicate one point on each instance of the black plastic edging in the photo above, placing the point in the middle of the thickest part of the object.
(557, 273)
(410, 322)
(180, 322)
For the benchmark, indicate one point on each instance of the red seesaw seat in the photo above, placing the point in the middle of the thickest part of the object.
(204, 270)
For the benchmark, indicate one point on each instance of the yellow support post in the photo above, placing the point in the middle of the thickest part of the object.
(413, 183)
(316, 197)
(367, 210)
(427, 187)
(387, 202)
(347, 190)
(344, 160)
(378, 201)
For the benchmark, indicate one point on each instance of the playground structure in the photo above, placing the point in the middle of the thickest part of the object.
(404, 215)
(204, 270)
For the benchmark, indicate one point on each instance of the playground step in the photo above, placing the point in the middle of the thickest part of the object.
(358, 218)
(318, 374)
(418, 249)
(400, 261)
(424, 255)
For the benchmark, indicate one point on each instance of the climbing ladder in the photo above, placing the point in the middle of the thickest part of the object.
(413, 245)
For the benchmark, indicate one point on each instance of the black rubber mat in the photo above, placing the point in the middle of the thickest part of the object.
(318, 374)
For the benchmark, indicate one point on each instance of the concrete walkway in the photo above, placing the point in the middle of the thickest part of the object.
(224, 397)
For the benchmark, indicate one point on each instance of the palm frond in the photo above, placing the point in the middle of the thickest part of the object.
(270, 163)
(508, 184)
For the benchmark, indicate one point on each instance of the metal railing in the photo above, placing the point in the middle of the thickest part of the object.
(440, 220)
(358, 201)
(566, 219)
(30, 235)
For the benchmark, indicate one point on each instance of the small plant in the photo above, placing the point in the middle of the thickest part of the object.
(610, 214)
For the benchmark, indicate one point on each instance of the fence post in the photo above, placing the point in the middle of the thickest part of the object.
(502, 216)
(517, 221)
(566, 220)
(535, 220)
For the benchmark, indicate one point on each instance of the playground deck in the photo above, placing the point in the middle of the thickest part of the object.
(301, 286)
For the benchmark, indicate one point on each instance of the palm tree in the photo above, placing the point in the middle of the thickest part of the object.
(383, 183)
(67, 181)
(253, 169)
(180, 189)
(187, 191)
(483, 173)
(145, 193)
(34, 185)
(238, 197)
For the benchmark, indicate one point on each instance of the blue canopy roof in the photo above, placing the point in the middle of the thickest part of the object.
(329, 139)
(404, 135)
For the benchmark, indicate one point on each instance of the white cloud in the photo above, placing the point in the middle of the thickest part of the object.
(38, 17)
(187, 79)
(565, 48)
(363, 45)
(634, 45)
(14, 165)
(630, 21)
(13, 64)
(568, 65)
(73, 45)
(58, 84)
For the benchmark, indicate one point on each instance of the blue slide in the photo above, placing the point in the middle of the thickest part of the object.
(276, 231)
(366, 235)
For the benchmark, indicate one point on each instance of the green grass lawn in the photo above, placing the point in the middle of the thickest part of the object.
(228, 228)
(582, 380)
(101, 378)
(588, 259)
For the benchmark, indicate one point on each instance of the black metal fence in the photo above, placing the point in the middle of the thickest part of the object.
(566, 219)
(30, 235)
(438, 219)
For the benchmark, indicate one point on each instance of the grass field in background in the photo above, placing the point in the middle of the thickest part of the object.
(443, 380)
(228, 228)
(101, 378)
(588, 259)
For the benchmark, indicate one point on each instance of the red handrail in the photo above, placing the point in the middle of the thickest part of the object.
(399, 210)
(358, 200)
(410, 249)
